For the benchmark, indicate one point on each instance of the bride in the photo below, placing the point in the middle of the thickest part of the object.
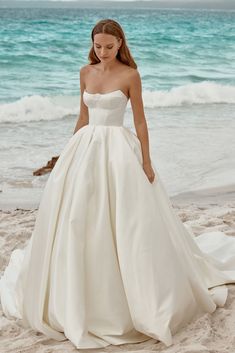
(109, 261)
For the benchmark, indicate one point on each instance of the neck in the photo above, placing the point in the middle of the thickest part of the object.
(105, 67)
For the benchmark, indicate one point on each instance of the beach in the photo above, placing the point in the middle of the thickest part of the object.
(187, 68)
(207, 210)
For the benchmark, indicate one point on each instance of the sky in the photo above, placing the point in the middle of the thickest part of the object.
(200, 4)
(135, 0)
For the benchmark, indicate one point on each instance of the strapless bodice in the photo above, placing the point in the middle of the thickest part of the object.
(106, 108)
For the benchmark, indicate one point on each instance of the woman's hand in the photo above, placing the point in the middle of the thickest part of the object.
(149, 171)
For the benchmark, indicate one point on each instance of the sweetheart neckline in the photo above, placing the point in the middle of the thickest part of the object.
(102, 94)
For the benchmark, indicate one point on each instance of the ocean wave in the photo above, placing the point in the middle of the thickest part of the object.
(35, 108)
(194, 93)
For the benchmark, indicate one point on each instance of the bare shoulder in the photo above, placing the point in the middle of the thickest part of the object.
(84, 73)
(131, 76)
(85, 69)
(128, 70)
(134, 82)
(134, 76)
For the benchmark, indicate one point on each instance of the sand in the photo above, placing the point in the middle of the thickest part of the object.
(206, 210)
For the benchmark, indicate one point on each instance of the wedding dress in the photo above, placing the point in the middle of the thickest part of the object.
(109, 261)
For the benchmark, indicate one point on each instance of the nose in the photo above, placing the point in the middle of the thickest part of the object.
(103, 52)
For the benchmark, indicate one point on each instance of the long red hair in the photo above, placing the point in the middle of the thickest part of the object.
(112, 27)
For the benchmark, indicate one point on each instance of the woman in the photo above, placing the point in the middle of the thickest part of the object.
(113, 66)
(109, 261)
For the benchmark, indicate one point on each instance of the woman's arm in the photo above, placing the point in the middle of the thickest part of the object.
(135, 93)
(83, 118)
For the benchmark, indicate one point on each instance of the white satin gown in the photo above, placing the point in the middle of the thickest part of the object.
(109, 261)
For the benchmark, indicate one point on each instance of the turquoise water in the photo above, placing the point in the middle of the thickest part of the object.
(187, 63)
(43, 49)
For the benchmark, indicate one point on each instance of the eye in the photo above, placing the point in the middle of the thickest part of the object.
(98, 47)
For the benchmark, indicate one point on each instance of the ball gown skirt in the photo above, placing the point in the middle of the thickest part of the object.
(109, 261)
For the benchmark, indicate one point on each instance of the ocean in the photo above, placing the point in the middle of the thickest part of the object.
(186, 59)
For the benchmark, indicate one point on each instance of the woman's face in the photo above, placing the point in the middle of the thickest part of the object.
(106, 46)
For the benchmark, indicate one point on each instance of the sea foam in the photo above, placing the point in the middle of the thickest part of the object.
(35, 108)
